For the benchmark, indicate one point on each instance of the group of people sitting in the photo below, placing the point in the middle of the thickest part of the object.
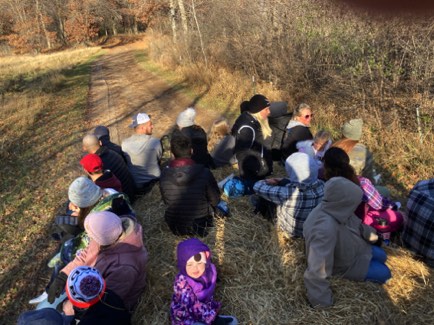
(328, 197)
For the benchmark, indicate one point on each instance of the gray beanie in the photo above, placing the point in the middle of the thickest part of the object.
(83, 192)
(353, 129)
(186, 118)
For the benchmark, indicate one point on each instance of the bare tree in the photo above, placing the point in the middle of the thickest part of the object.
(172, 13)
(184, 19)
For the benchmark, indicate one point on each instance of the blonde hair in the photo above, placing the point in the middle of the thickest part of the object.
(265, 126)
(300, 108)
(219, 129)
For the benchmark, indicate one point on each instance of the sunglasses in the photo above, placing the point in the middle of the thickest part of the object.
(308, 116)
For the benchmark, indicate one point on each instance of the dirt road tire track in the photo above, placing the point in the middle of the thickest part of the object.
(119, 87)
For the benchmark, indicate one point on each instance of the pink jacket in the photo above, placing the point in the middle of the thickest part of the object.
(123, 265)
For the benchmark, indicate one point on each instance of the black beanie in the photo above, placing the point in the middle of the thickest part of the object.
(257, 103)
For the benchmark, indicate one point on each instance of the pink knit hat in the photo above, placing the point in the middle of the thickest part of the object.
(104, 227)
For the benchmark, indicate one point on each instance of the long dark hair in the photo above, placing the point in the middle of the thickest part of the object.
(337, 163)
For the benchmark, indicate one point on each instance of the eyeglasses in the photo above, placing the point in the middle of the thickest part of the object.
(308, 116)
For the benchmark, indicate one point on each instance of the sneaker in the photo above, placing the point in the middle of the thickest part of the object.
(43, 296)
(222, 209)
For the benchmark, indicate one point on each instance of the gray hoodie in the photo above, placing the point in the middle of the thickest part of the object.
(337, 243)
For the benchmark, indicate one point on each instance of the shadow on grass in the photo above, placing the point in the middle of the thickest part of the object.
(37, 168)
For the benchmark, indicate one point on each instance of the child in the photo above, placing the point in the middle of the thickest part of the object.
(221, 144)
(192, 301)
(197, 135)
(317, 147)
(90, 302)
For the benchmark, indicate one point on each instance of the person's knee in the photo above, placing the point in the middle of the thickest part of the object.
(378, 272)
(378, 254)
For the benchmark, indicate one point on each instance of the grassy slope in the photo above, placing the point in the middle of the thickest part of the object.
(261, 272)
(41, 127)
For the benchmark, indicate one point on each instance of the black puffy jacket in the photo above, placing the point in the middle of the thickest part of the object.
(189, 191)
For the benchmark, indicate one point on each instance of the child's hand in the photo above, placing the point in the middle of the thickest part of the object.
(273, 181)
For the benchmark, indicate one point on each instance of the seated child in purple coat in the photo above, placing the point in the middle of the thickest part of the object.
(192, 301)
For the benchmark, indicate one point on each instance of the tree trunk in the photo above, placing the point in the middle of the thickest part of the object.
(173, 19)
(183, 16)
(200, 34)
(44, 27)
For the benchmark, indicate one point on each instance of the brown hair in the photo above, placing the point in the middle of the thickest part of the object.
(219, 129)
(345, 144)
(337, 163)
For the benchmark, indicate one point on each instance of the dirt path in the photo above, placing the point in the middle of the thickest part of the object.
(119, 88)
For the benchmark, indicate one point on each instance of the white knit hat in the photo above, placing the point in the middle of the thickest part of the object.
(104, 227)
(83, 192)
(186, 118)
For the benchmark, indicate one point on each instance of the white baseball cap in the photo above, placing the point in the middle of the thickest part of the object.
(140, 118)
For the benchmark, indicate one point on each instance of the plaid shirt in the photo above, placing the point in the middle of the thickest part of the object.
(294, 202)
(418, 233)
(372, 197)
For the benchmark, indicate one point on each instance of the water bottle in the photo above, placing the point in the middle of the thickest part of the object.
(384, 230)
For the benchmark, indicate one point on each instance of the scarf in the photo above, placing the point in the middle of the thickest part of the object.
(204, 286)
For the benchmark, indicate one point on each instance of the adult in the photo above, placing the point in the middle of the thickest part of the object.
(338, 243)
(104, 178)
(297, 129)
(189, 191)
(418, 234)
(103, 134)
(360, 157)
(143, 153)
(112, 161)
(222, 143)
(374, 207)
(197, 135)
(295, 195)
(252, 141)
(116, 250)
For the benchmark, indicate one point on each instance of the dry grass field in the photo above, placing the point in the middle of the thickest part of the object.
(42, 119)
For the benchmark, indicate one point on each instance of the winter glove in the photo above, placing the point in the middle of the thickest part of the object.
(57, 287)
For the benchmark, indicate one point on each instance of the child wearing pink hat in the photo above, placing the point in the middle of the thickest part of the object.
(116, 250)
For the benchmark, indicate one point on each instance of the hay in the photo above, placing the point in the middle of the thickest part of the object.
(261, 275)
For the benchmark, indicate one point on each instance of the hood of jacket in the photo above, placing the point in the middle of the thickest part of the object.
(244, 119)
(341, 198)
(294, 123)
(301, 168)
(130, 240)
